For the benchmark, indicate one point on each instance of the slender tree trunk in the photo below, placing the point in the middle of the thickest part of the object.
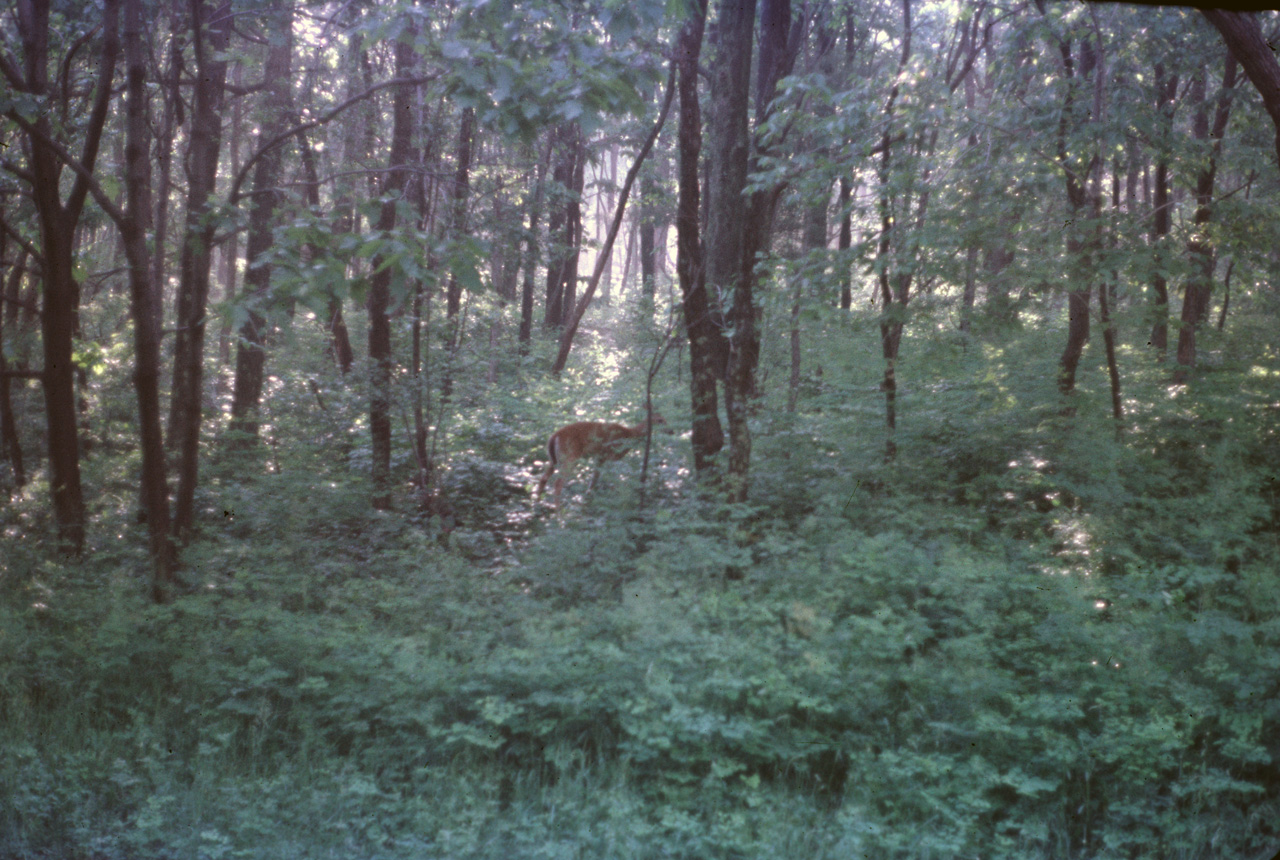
(894, 286)
(846, 191)
(648, 254)
(606, 199)
(557, 221)
(277, 114)
(846, 242)
(1161, 217)
(211, 29)
(971, 252)
(1081, 181)
(531, 255)
(573, 223)
(9, 439)
(1226, 295)
(1195, 300)
(379, 298)
(458, 210)
(146, 378)
(457, 224)
(230, 258)
(171, 88)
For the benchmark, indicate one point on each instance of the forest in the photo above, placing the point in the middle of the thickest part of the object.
(639, 429)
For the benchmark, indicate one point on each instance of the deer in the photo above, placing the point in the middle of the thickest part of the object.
(603, 440)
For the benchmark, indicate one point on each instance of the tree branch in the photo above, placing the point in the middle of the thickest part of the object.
(82, 173)
(234, 197)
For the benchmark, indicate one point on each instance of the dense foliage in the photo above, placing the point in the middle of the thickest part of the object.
(1020, 639)
(959, 538)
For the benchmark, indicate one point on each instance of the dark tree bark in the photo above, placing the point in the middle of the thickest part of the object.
(379, 298)
(846, 191)
(458, 208)
(1105, 294)
(846, 242)
(531, 255)
(559, 229)
(1162, 211)
(573, 223)
(171, 117)
(146, 377)
(1243, 35)
(708, 349)
(1081, 177)
(421, 192)
(10, 442)
(648, 250)
(457, 224)
(58, 221)
(1226, 295)
(971, 252)
(211, 29)
(728, 145)
(894, 285)
(276, 116)
(1195, 298)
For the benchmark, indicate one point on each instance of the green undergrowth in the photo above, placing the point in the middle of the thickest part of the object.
(901, 693)
(1023, 637)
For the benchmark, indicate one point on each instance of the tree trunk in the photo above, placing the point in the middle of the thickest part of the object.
(379, 298)
(846, 242)
(531, 255)
(1226, 295)
(1243, 35)
(1081, 184)
(457, 223)
(171, 118)
(211, 29)
(1195, 300)
(607, 198)
(10, 442)
(277, 114)
(458, 210)
(57, 225)
(707, 346)
(728, 140)
(230, 256)
(894, 286)
(146, 377)
(971, 252)
(558, 231)
(1162, 215)
(648, 254)
(573, 223)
